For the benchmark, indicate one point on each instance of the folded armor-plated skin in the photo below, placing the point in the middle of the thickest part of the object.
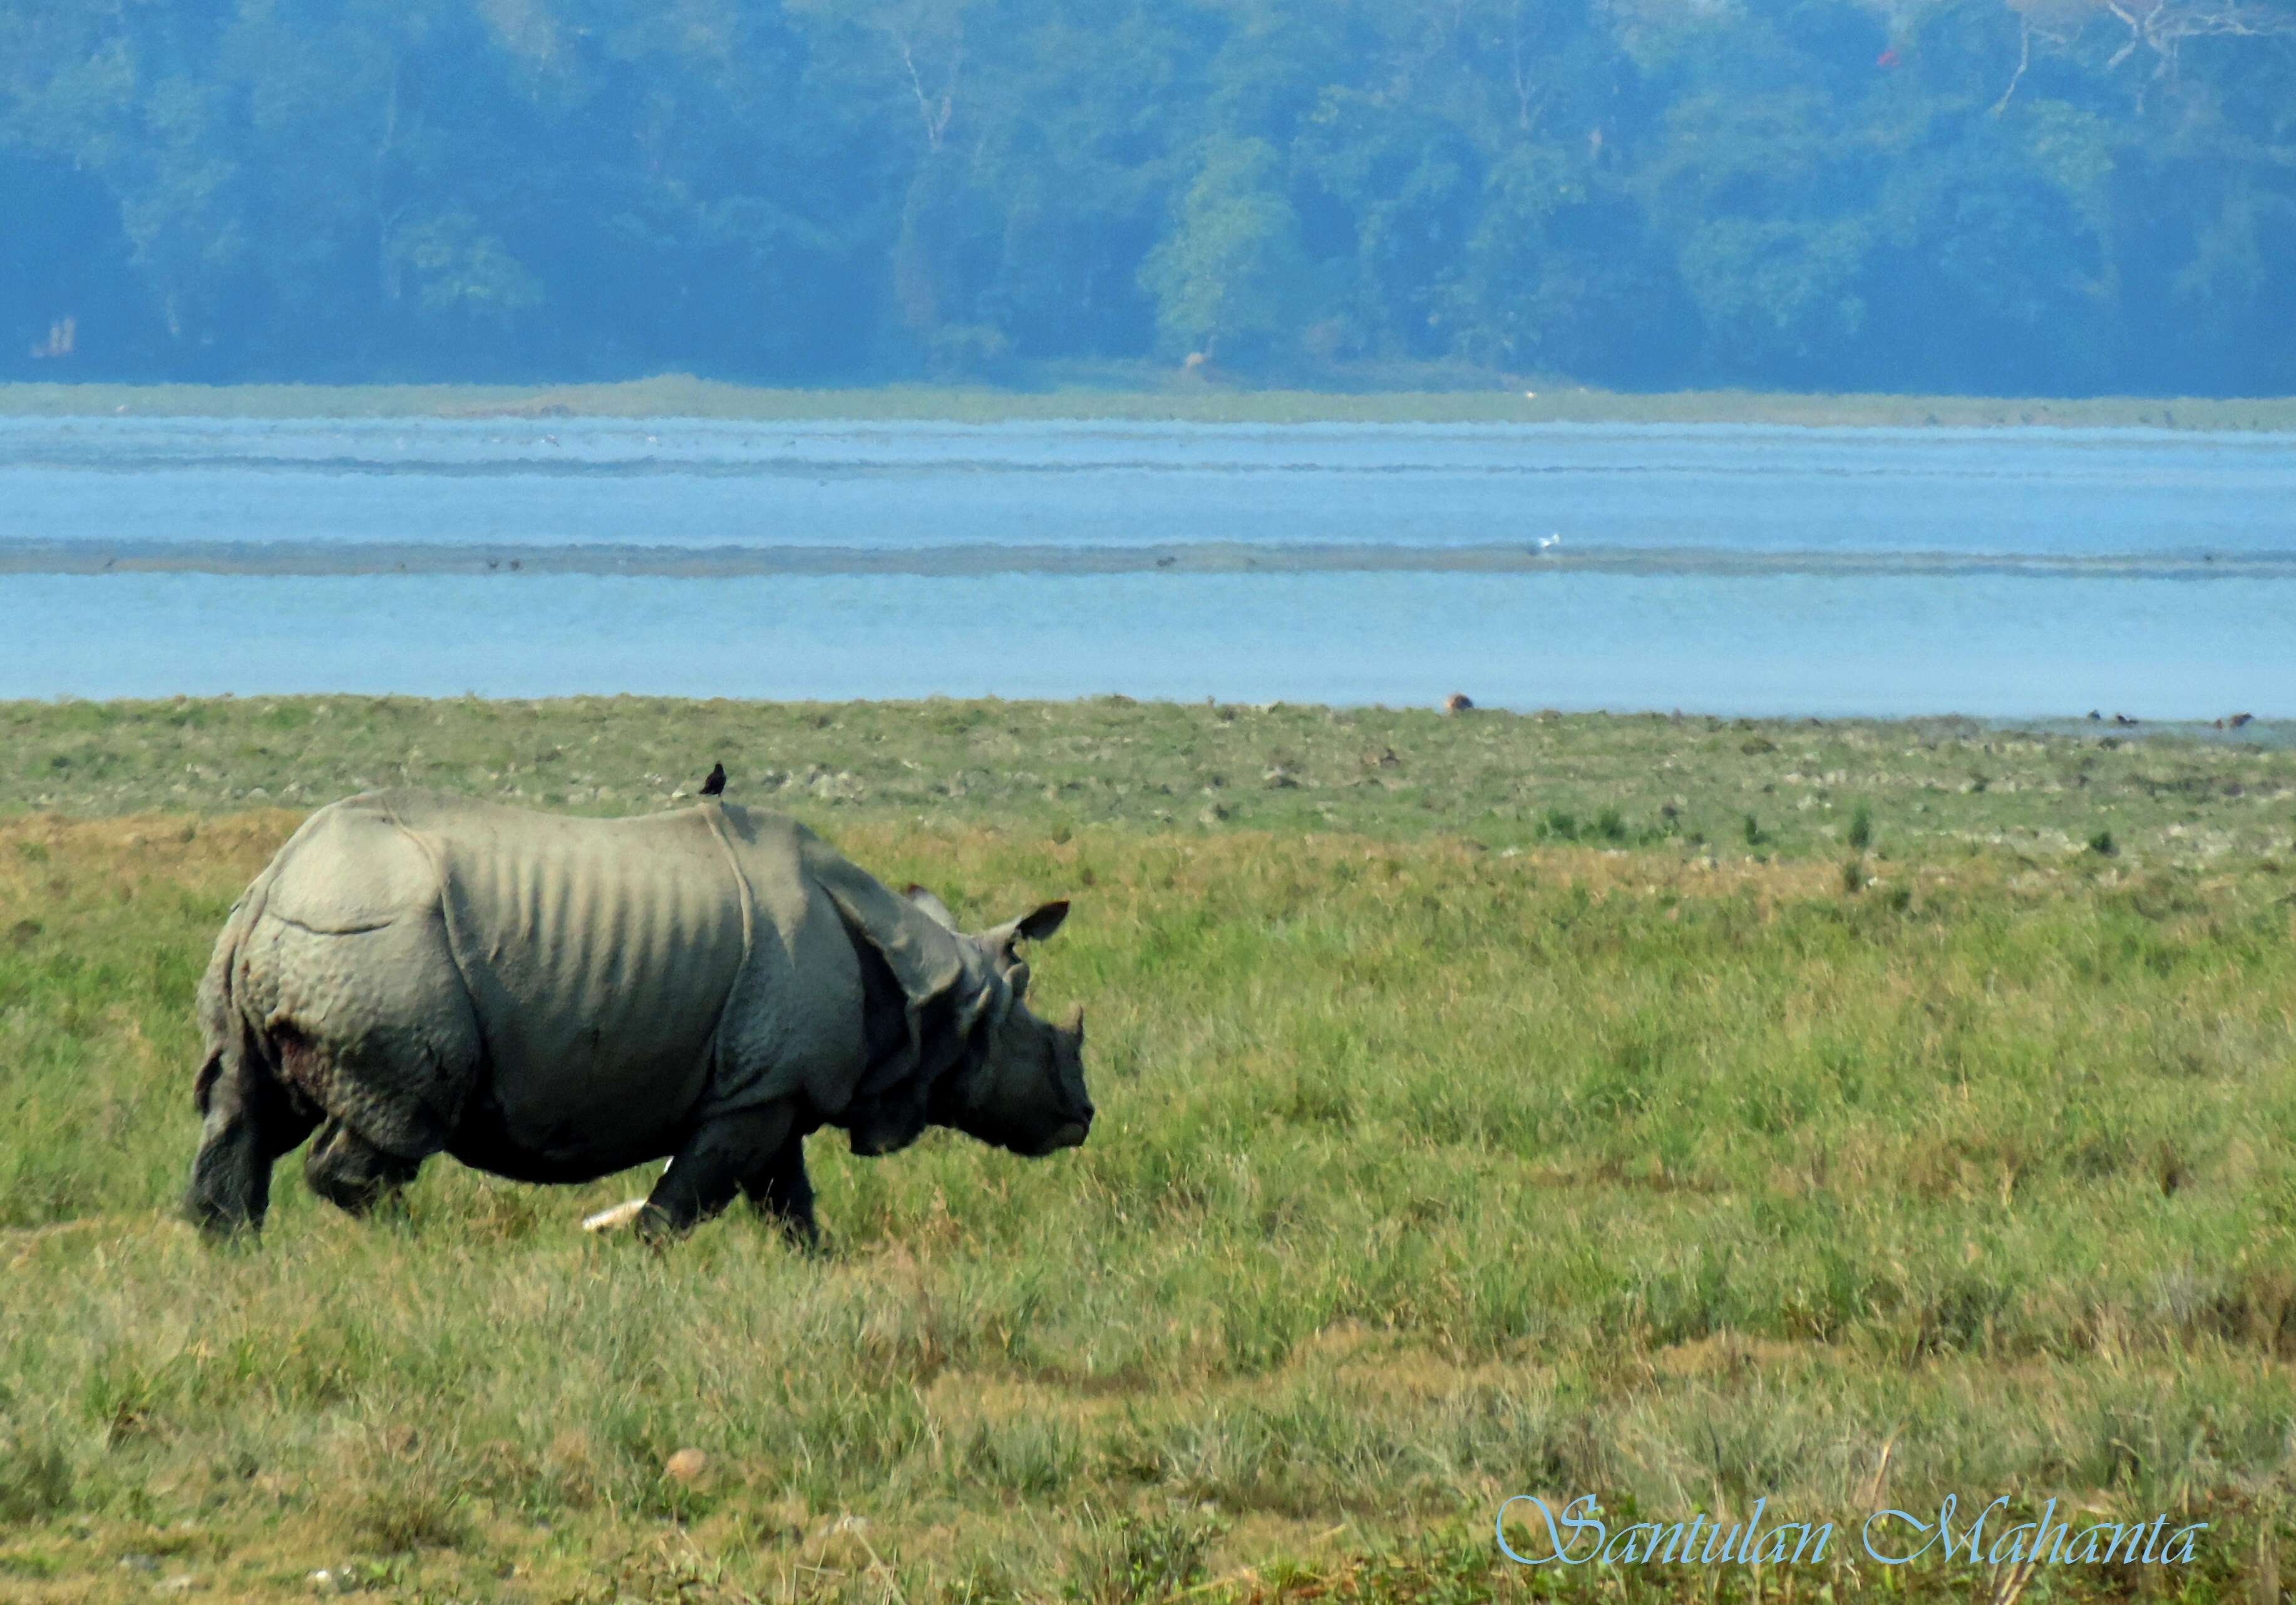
(554, 998)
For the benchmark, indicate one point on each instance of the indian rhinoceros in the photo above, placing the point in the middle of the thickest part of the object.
(553, 999)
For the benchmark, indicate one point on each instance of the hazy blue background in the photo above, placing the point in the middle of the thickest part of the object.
(1939, 195)
(1726, 491)
(1793, 645)
(1714, 568)
(2046, 197)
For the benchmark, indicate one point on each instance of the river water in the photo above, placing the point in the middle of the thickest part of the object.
(2025, 573)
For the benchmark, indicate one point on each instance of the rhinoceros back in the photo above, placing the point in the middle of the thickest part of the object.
(598, 955)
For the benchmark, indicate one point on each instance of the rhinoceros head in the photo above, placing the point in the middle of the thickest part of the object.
(1025, 1091)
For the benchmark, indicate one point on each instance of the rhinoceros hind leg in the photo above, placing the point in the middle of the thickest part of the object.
(353, 1174)
(708, 1169)
(780, 1191)
(248, 1121)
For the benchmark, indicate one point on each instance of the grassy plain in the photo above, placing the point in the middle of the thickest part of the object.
(1488, 1107)
(1143, 394)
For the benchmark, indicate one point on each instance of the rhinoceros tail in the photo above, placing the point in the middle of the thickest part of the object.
(246, 1118)
(234, 1043)
(227, 1036)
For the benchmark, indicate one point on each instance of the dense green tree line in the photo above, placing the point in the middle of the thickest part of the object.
(2053, 196)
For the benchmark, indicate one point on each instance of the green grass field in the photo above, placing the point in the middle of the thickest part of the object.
(1678, 1112)
(1145, 394)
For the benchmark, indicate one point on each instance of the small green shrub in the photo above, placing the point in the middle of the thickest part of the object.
(36, 1479)
(1138, 1560)
(401, 1510)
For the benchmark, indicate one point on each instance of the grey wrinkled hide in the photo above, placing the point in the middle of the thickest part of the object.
(554, 998)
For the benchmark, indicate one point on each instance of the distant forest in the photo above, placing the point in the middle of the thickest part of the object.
(2048, 197)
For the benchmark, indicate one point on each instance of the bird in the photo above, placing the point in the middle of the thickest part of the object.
(716, 784)
(1551, 542)
(2239, 719)
(1458, 701)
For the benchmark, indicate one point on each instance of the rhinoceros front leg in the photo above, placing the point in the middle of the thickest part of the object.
(353, 1174)
(780, 1191)
(708, 1169)
(249, 1121)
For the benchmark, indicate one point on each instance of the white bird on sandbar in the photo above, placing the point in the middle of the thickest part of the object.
(1551, 542)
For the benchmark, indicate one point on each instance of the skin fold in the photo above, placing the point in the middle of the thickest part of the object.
(554, 999)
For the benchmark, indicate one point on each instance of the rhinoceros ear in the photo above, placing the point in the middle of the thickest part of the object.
(1046, 919)
(1034, 926)
(931, 904)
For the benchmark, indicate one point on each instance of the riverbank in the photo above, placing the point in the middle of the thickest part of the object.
(683, 396)
(1694, 788)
